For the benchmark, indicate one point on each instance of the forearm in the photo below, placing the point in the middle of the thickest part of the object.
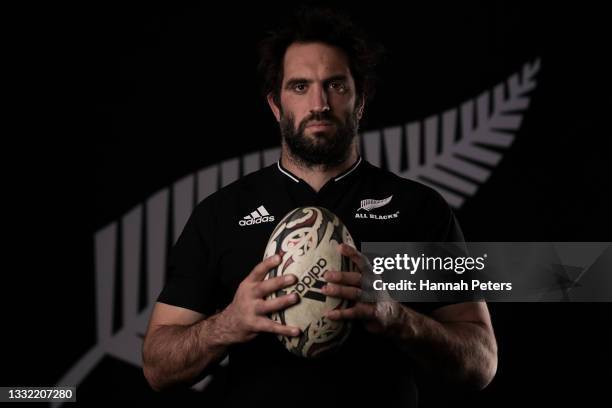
(175, 354)
(464, 352)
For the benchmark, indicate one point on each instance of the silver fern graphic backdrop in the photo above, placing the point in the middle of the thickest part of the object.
(473, 138)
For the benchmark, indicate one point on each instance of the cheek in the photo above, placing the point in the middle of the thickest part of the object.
(343, 103)
(293, 107)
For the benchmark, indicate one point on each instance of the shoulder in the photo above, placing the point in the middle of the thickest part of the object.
(217, 202)
(406, 190)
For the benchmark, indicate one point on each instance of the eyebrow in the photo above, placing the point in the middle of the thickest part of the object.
(294, 81)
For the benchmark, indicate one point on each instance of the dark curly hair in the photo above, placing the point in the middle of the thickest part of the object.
(325, 25)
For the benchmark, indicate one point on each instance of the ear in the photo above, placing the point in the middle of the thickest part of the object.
(272, 104)
(361, 107)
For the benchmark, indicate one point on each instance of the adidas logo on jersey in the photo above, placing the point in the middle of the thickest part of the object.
(260, 215)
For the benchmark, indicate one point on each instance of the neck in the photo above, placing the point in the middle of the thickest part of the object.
(316, 176)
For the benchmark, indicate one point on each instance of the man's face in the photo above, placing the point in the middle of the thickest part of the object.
(317, 117)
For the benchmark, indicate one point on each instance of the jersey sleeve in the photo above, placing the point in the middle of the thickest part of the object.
(444, 227)
(191, 265)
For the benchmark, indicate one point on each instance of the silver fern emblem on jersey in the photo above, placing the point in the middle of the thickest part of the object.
(371, 204)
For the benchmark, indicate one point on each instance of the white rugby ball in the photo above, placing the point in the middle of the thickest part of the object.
(306, 239)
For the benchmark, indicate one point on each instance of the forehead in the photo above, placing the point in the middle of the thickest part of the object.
(314, 60)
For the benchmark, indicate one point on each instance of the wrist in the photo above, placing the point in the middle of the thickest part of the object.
(214, 333)
(408, 327)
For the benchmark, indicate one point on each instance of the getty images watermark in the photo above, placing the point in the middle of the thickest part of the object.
(490, 271)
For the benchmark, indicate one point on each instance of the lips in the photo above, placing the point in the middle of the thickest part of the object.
(320, 124)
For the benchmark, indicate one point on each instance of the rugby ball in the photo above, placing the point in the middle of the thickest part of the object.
(306, 239)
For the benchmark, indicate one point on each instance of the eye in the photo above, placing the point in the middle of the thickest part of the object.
(338, 86)
(299, 87)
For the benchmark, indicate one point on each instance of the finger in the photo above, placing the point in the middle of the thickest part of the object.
(348, 250)
(359, 311)
(261, 269)
(341, 291)
(354, 255)
(270, 326)
(274, 305)
(268, 286)
(343, 278)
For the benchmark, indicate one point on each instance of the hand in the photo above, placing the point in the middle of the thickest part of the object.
(381, 317)
(246, 316)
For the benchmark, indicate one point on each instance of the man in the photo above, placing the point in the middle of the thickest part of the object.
(317, 80)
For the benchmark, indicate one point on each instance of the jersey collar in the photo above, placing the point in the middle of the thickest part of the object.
(339, 177)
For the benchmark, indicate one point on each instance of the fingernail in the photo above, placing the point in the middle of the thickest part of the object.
(290, 278)
(294, 297)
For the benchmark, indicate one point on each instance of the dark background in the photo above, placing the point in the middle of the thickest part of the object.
(166, 89)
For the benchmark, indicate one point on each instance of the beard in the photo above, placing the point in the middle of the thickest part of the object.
(323, 148)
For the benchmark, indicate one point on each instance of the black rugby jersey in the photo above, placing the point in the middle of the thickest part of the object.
(226, 236)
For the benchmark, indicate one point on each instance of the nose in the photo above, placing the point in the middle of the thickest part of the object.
(318, 100)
